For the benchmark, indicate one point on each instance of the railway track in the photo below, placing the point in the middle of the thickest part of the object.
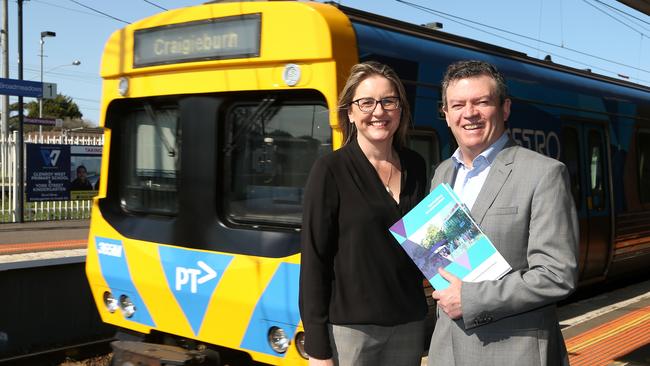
(92, 353)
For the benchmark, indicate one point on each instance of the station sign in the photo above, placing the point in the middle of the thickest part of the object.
(58, 122)
(26, 88)
(21, 88)
(49, 90)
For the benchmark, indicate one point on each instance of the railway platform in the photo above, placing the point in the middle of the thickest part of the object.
(609, 329)
(39, 236)
(46, 294)
(605, 328)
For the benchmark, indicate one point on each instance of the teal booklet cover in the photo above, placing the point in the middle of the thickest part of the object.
(439, 232)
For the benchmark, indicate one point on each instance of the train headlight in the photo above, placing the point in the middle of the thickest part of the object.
(127, 306)
(291, 74)
(123, 86)
(110, 302)
(278, 340)
(300, 345)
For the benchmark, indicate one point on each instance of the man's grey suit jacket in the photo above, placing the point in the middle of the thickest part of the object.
(526, 209)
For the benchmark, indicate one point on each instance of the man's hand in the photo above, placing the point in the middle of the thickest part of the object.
(449, 299)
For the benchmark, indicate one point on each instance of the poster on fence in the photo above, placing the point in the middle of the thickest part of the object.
(62, 172)
(85, 165)
(48, 172)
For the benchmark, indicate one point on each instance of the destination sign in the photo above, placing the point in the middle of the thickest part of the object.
(213, 39)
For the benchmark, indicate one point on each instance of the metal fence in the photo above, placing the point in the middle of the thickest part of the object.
(37, 211)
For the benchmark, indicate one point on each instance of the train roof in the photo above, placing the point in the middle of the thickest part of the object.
(380, 21)
(642, 6)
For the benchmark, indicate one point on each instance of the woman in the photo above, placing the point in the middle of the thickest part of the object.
(361, 297)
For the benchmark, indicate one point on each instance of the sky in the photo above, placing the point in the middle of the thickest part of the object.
(602, 35)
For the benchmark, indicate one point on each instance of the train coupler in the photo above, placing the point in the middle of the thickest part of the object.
(129, 353)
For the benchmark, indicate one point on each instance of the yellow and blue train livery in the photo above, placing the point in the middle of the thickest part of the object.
(213, 116)
(200, 289)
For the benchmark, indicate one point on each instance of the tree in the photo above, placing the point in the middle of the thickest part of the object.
(62, 106)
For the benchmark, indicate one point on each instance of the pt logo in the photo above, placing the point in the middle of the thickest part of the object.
(194, 276)
(50, 156)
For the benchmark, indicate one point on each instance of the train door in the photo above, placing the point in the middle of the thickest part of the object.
(586, 156)
(426, 143)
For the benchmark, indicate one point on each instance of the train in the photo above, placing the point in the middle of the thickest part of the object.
(213, 115)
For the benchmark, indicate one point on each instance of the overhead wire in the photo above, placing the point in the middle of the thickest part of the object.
(100, 12)
(66, 8)
(621, 11)
(454, 18)
(613, 17)
(539, 24)
(76, 76)
(88, 100)
(154, 4)
(561, 23)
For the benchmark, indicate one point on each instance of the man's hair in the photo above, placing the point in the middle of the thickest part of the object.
(81, 167)
(358, 74)
(469, 69)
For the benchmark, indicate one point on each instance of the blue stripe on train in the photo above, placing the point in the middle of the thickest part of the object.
(278, 306)
(114, 268)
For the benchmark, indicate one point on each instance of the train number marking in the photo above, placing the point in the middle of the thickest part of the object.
(191, 276)
(109, 249)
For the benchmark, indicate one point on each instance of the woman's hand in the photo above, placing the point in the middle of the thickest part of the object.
(317, 362)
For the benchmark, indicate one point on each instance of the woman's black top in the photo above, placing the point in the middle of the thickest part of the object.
(352, 269)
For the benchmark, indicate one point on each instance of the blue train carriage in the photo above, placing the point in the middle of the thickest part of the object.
(194, 239)
(598, 126)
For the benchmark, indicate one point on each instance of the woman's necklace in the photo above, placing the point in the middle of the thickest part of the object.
(390, 175)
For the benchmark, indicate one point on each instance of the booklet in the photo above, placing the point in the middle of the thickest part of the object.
(440, 232)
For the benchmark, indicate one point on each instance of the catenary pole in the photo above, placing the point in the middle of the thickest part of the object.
(4, 41)
(20, 166)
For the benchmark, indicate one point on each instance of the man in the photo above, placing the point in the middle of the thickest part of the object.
(522, 201)
(81, 183)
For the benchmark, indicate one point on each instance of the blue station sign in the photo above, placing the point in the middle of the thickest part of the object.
(24, 88)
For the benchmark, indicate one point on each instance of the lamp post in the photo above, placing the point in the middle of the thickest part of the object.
(40, 100)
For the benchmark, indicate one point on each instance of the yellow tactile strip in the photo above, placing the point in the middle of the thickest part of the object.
(603, 344)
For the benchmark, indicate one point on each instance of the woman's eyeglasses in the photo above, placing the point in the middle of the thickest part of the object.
(368, 105)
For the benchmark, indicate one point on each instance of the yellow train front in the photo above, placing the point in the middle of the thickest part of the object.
(213, 115)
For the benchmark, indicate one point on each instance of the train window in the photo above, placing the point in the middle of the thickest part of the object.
(151, 161)
(596, 166)
(426, 144)
(570, 156)
(643, 158)
(272, 145)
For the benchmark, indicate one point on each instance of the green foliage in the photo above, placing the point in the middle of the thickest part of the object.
(434, 235)
(62, 106)
(456, 225)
